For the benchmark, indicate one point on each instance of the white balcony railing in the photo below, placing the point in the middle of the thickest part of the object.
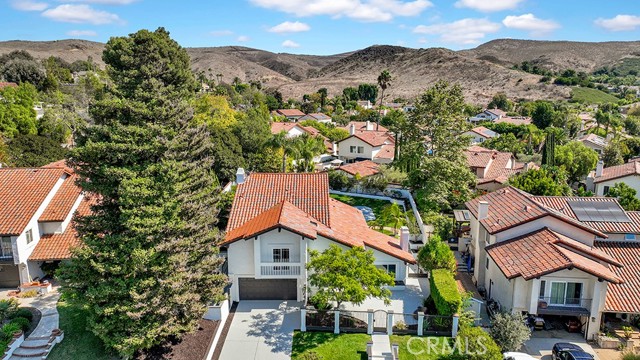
(280, 269)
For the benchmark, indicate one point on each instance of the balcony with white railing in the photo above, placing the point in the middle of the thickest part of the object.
(280, 270)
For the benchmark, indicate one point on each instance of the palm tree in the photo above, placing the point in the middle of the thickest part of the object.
(392, 213)
(305, 147)
(384, 81)
(280, 141)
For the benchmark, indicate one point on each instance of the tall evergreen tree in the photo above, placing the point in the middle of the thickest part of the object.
(549, 151)
(148, 264)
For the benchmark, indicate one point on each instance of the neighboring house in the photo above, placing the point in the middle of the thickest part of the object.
(361, 168)
(319, 117)
(604, 178)
(514, 120)
(594, 142)
(38, 205)
(365, 104)
(480, 134)
(541, 255)
(294, 130)
(276, 219)
(289, 114)
(364, 126)
(488, 115)
(377, 146)
(493, 168)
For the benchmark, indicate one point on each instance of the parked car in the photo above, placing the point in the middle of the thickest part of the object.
(517, 356)
(568, 351)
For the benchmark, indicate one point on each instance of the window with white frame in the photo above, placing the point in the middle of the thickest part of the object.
(281, 255)
(29, 236)
(565, 293)
(6, 250)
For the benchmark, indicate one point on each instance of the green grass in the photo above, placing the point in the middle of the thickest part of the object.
(592, 96)
(79, 343)
(374, 204)
(330, 346)
(417, 349)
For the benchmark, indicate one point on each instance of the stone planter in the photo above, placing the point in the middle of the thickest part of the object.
(607, 342)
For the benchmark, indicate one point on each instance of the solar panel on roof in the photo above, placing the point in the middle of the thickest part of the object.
(598, 211)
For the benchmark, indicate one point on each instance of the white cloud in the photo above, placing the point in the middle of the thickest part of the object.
(28, 5)
(465, 31)
(361, 10)
(488, 5)
(242, 38)
(222, 33)
(82, 33)
(619, 23)
(79, 14)
(290, 44)
(422, 41)
(528, 22)
(290, 27)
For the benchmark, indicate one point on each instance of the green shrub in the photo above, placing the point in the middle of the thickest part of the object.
(510, 331)
(475, 344)
(445, 293)
(22, 313)
(9, 329)
(28, 294)
(630, 356)
(23, 323)
(8, 308)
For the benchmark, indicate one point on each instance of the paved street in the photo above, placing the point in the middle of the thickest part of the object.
(262, 330)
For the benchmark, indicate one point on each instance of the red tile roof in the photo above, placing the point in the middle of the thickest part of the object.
(290, 112)
(623, 298)
(544, 252)
(362, 126)
(483, 131)
(560, 204)
(60, 164)
(364, 168)
(7, 84)
(510, 207)
(631, 168)
(373, 138)
(500, 165)
(22, 192)
(58, 246)
(301, 203)
(516, 120)
(386, 152)
(62, 202)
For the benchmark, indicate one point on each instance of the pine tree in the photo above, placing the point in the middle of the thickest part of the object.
(148, 264)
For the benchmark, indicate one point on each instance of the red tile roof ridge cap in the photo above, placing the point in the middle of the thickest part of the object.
(576, 248)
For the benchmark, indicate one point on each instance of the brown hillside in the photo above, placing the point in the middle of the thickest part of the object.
(556, 55)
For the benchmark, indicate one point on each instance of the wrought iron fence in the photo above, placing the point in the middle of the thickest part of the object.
(405, 324)
(354, 321)
(320, 320)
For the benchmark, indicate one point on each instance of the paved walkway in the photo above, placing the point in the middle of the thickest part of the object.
(381, 349)
(36, 345)
(262, 330)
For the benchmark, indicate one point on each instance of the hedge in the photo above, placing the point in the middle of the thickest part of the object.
(444, 292)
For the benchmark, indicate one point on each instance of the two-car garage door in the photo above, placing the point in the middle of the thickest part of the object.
(267, 289)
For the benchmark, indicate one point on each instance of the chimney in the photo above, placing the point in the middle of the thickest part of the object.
(352, 129)
(369, 126)
(240, 176)
(599, 168)
(483, 210)
(404, 238)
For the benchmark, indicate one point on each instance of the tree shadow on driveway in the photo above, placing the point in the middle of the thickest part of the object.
(276, 328)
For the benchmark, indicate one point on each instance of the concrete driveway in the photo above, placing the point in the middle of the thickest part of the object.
(542, 342)
(262, 330)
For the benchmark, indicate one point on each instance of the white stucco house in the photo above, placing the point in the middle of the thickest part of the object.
(377, 146)
(38, 205)
(488, 115)
(276, 219)
(604, 178)
(595, 142)
(546, 255)
(480, 134)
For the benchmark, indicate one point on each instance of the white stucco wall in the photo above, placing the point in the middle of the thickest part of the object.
(344, 148)
(552, 223)
(632, 181)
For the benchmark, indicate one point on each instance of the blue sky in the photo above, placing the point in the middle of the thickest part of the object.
(324, 26)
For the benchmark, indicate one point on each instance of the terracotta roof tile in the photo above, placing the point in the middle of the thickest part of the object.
(543, 252)
(623, 298)
(373, 138)
(483, 131)
(290, 112)
(500, 166)
(22, 192)
(386, 152)
(619, 171)
(62, 202)
(364, 168)
(301, 203)
(7, 84)
(511, 207)
(362, 126)
(516, 120)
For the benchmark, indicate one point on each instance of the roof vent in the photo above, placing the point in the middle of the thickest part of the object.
(527, 208)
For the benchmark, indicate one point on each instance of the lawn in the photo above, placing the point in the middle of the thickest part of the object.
(329, 346)
(418, 349)
(376, 205)
(78, 343)
(592, 96)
